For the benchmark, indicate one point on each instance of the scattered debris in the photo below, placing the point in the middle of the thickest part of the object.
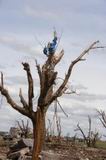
(21, 149)
(53, 151)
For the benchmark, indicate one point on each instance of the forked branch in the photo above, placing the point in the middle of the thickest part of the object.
(60, 90)
(102, 117)
(23, 101)
(9, 99)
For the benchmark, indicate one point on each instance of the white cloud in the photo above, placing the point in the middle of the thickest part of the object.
(86, 97)
(20, 46)
(2, 67)
(45, 14)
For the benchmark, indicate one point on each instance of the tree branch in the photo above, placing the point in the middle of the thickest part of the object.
(12, 103)
(102, 117)
(89, 132)
(57, 58)
(19, 125)
(10, 100)
(79, 128)
(39, 72)
(30, 85)
(99, 47)
(2, 82)
(25, 105)
(62, 108)
(59, 91)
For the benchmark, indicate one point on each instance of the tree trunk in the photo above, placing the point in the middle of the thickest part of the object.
(39, 134)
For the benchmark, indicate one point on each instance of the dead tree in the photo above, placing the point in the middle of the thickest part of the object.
(91, 137)
(54, 126)
(24, 128)
(49, 131)
(57, 119)
(102, 117)
(47, 77)
(58, 122)
(74, 138)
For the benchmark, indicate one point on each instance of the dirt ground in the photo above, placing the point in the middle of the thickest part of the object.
(74, 152)
(63, 152)
(3, 153)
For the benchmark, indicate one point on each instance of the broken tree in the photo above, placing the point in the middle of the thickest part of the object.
(47, 77)
(92, 137)
(102, 117)
(24, 128)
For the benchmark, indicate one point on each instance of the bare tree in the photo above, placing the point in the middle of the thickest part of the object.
(54, 126)
(47, 77)
(24, 128)
(102, 117)
(49, 131)
(91, 137)
(58, 123)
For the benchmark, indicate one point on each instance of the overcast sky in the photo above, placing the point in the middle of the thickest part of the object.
(25, 23)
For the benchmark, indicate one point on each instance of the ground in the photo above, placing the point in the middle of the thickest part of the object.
(66, 152)
(3, 152)
(76, 152)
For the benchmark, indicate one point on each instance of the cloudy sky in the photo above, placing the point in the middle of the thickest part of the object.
(25, 23)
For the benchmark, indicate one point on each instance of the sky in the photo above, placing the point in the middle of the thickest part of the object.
(26, 26)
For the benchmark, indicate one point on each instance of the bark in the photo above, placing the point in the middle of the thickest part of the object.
(38, 133)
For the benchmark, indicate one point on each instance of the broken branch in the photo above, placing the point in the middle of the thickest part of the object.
(25, 105)
(30, 85)
(39, 71)
(67, 76)
(62, 108)
(11, 101)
